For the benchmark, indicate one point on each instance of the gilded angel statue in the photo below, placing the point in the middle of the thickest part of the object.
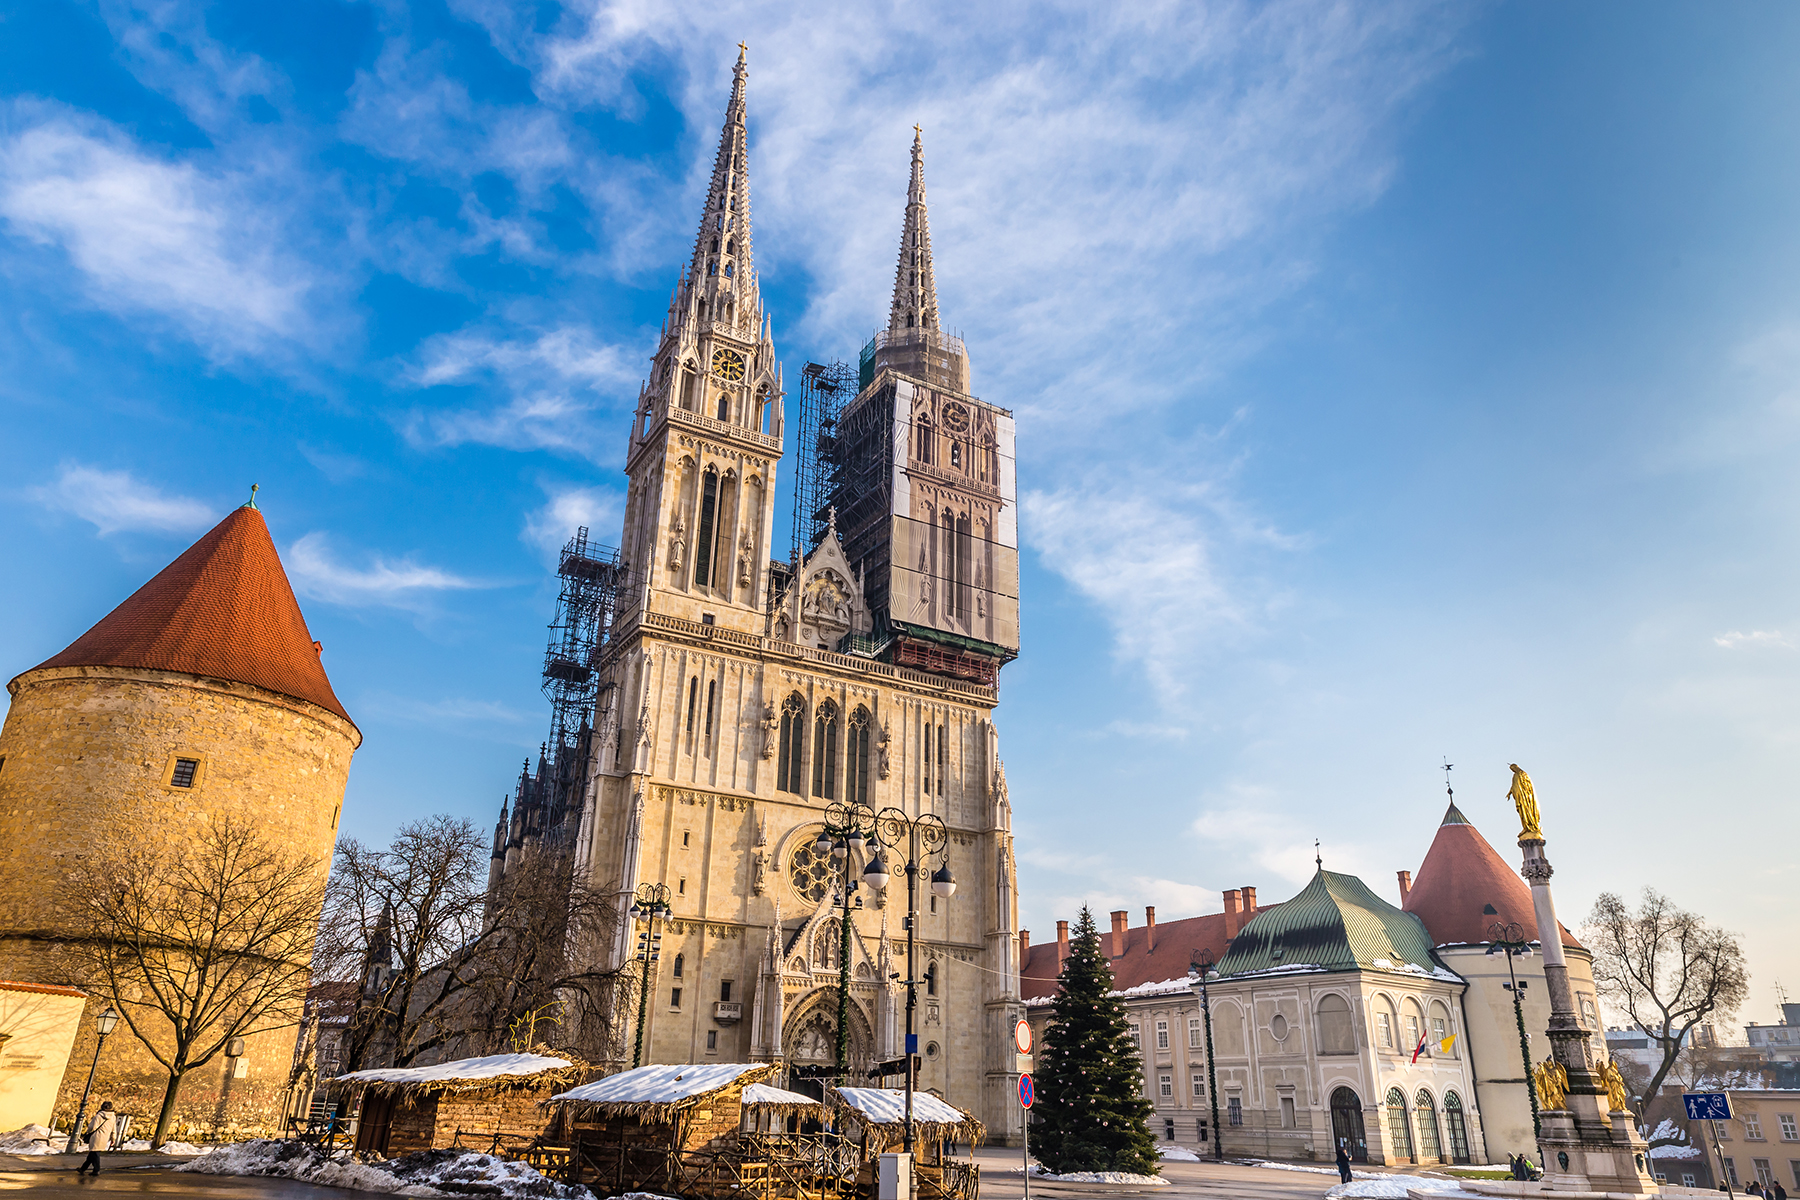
(1552, 1083)
(1615, 1086)
(1525, 800)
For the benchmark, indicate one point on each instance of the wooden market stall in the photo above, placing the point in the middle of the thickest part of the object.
(668, 1129)
(492, 1103)
(875, 1118)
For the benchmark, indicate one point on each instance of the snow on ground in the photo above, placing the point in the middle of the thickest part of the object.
(1282, 1166)
(1395, 1187)
(142, 1146)
(428, 1173)
(32, 1139)
(1178, 1154)
(1039, 1172)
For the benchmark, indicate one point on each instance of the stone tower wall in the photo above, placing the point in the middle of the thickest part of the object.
(85, 757)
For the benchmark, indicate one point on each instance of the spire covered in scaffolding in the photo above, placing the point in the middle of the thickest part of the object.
(915, 286)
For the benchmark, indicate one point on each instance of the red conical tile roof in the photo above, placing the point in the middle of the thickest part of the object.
(1460, 879)
(224, 609)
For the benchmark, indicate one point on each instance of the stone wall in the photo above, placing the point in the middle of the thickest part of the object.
(86, 755)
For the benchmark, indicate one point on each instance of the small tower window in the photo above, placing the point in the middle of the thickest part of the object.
(184, 773)
(793, 728)
(693, 697)
(711, 684)
(703, 547)
(680, 959)
(931, 980)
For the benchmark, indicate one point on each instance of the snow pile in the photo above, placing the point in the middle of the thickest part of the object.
(1394, 1187)
(659, 1085)
(1281, 1166)
(492, 1066)
(142, 1146)
(428, 1173)
(1101, 1177)
(32, 1139)
(887, 1106)
(1177, 1154)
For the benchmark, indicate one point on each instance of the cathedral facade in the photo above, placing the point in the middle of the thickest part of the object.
(740, 696)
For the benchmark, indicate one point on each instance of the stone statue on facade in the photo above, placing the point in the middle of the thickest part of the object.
(769, 725)
(1525, 800)
(677, 545)
(743, 563)
(881, 752)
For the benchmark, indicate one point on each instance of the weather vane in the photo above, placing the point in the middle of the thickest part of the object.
(1446, 768)
(1318, 858)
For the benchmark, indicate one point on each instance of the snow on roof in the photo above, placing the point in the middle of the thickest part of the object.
(762, 1093)
(887, 1106)
(663, 1084)
(494, 1066)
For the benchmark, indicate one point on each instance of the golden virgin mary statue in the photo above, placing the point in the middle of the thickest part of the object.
(1525, 800)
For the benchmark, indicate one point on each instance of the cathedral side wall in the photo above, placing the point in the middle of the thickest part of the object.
(87, 759)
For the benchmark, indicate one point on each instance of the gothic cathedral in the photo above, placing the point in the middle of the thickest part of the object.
(742, 696)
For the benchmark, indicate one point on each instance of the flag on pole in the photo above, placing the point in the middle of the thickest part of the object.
(1444, 1046)
(1419, 1049)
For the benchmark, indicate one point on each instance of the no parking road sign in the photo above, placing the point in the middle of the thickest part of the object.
(1707, 1106)
(1026, 1093)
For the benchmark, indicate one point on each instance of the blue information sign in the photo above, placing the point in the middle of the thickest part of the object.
(1707, 1106)
(1026, 1094)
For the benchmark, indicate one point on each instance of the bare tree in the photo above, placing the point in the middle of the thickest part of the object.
(200, 944)
(1667, 969)
(466, 967)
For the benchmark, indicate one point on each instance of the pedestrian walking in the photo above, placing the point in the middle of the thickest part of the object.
(99, 1137)
(1755, 1188)
(1343, 1163)
(1777, 1192)
(1516, 1164)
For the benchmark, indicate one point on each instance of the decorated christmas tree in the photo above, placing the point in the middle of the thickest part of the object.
(1091, 1114)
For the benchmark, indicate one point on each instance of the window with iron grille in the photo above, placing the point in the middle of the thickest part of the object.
(185, 770)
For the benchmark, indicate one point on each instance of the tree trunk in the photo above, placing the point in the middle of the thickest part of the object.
(168, 1108)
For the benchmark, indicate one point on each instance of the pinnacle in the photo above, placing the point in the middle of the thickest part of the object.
(915, 281)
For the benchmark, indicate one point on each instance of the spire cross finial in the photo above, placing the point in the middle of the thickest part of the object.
(251, 503)
(1446, 769)
(1318, 858)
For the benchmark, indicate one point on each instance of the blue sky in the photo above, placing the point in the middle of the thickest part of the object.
(1393, 382)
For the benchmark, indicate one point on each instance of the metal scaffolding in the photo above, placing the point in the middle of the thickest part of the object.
(825, 388)
(592, 577)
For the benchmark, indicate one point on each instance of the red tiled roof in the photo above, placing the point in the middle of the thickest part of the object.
(225, 610)
(1460, 877)
(1176, 944)
(46, 989)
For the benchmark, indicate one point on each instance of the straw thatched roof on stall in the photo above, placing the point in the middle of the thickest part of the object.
(761, 1098)
(467, 1076)
(660, 1092)
(882, 1113)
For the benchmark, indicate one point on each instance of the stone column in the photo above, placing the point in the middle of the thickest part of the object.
(1584, 1146)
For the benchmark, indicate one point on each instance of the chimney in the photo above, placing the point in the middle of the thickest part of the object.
(1405, 886)
(1249, 901)
(1233, 907)
(1149, 927)
(1118, 932)
(1062, 942)
(1024, 946)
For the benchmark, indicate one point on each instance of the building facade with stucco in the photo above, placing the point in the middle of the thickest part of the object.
(201, 696)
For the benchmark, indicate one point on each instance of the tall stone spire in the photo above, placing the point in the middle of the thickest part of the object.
(915, 286)
(722, 251)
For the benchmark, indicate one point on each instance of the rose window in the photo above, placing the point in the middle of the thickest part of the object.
(810, 872)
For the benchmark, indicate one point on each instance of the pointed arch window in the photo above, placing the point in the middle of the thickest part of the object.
(724, 406)
(1399, 1127)
(1429, 1150)
(825, 751)
(703, 540)
(1457, 1127)
(856, 772)
(931, 980)
(793, 730)
(731, 246)
(922, 438)
(964, 553)
(728, 268)
(689, 378)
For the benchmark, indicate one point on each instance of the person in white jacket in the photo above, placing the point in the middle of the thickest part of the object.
(99, 1137)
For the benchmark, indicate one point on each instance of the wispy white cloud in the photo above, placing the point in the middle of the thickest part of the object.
(202, 249)
(1760, 638)
(316, 571)
(559, 380)
(447, 710)
(568, 509)
(116, 501)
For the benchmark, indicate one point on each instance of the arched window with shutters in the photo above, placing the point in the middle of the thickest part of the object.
(703, 537)
(856, 768)
(793, 732)
(825, 751)
(1399, 1126)
(1430, 1148)
(1457, 1127)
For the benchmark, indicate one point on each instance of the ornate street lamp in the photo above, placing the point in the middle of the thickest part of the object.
(1200, 969)
(915, 837)
(103, 1025)
(651, 902)
(1509, 936)
(848, 827)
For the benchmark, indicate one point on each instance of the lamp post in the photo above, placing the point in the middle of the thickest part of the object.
(1509, 936)
(103, 1025)
(651, 902)
(848, 827)
(920, 836)
(1201, 968)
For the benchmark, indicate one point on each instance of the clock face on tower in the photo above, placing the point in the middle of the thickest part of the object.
(728, 364)
(956, 417)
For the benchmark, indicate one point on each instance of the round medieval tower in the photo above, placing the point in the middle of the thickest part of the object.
(202, 696)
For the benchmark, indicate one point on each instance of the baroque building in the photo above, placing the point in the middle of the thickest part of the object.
(202, 696)
(739, 696)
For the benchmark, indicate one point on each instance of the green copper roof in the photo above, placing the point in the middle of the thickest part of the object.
(1454, 816)
(1335, 924)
